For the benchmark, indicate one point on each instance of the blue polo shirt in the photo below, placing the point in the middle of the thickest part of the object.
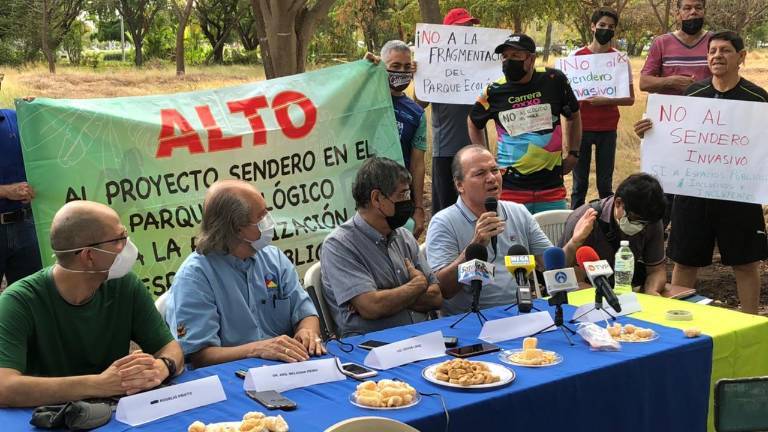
(450, 232)
(220, 300)
(11, 162)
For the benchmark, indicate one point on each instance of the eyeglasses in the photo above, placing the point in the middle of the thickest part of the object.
(122, 237)
(266, 223)
(402, 196)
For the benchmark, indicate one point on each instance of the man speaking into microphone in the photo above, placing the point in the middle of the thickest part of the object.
(477, 177)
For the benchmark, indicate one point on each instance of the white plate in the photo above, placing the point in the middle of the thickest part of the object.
(504, 356)
(506, 376)
(234, 426)
(416, 400)
(651, 339)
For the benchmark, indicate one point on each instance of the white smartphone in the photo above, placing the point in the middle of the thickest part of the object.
(357, 371)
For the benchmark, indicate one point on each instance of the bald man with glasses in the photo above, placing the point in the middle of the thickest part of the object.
(65, 331)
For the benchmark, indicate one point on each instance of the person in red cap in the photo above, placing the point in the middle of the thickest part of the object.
(459, 16)
(449, 131)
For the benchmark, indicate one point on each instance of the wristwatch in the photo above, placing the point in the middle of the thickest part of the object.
(171, 365)
(574, 153)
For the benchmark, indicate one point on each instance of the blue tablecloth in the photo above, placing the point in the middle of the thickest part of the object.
(658, 386)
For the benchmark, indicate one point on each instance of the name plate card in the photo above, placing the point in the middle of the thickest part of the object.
(289, 376)
(629, 304)
(430, 345)
(152, 405)
(516, 326)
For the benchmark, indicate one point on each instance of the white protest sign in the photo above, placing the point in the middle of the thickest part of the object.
(517, 326)
(527, 119)
(430, 345)
(152, 405)
(455, 63)
(588, 313)
(289, 376)
(593, 75)
(708, 148)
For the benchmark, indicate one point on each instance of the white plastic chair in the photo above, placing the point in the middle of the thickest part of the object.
(313, 278)
(371, 424)
(161, 304)
(552, 222)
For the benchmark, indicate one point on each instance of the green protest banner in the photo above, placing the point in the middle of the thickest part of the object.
(300, 139)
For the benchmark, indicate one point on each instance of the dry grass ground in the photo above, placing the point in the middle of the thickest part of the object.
(717, 281)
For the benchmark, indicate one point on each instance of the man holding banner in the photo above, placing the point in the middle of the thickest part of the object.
(411, 122)
(599, 117)
(526, 106)
(738, 228)
(237, 296)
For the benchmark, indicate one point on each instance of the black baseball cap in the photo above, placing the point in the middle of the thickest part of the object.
(518, 41)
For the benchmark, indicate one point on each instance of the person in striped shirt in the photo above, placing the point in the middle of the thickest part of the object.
(678, 59)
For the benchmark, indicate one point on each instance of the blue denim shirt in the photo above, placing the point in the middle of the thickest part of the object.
(223, 301)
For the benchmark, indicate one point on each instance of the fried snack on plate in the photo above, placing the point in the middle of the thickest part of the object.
(253, 421)
(465, 373)
(630, 333)
(384, 394)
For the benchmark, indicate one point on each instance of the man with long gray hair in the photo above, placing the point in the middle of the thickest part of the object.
(236, 296)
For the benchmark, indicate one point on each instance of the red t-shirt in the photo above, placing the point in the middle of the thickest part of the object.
(601, 118)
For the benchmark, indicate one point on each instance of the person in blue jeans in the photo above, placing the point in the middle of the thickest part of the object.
(19, 252)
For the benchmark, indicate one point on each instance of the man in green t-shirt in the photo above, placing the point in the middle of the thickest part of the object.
(65, 331)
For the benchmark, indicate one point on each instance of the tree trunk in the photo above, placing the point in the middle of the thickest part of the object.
(44, 40)
(261, 33)
(548, 42)
(183, 17)
(288, 28)
(430, 11)
(518, 23)
(138, 57)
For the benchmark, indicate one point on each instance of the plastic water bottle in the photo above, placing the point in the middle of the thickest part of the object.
(624, 268)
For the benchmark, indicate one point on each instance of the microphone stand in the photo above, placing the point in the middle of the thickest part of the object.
(474, 309)
(598, 306)
(533, 306)
(558, 300)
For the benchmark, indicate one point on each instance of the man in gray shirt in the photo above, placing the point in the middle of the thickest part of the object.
(373, 275)
(477, 176)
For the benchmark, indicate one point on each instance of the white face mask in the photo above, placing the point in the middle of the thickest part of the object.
(267, 227)
(123, 263)
(629, 227)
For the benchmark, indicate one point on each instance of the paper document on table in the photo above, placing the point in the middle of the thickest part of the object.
(430, 345)
(629, 304)
(289, 376)
(516, 326)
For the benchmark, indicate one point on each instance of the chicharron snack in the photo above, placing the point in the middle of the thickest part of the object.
(253, 421)
(465, 373)
(384, 394)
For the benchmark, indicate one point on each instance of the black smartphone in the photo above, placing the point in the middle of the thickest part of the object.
(472, 350)
(371, 344)
(272, 400)
(241, 373)
(450, 341)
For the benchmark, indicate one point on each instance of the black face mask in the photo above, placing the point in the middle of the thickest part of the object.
(603, 35)
(398, 81)
(693, 26)
(403, 212)
(514, 70)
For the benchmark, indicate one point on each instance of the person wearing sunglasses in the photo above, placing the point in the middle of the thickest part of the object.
(65, 331)
(237, 296)
(634, 214)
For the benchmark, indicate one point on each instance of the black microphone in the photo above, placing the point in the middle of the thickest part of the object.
(598, 271)
(492, 205)
(475, 251)
(520, 270)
